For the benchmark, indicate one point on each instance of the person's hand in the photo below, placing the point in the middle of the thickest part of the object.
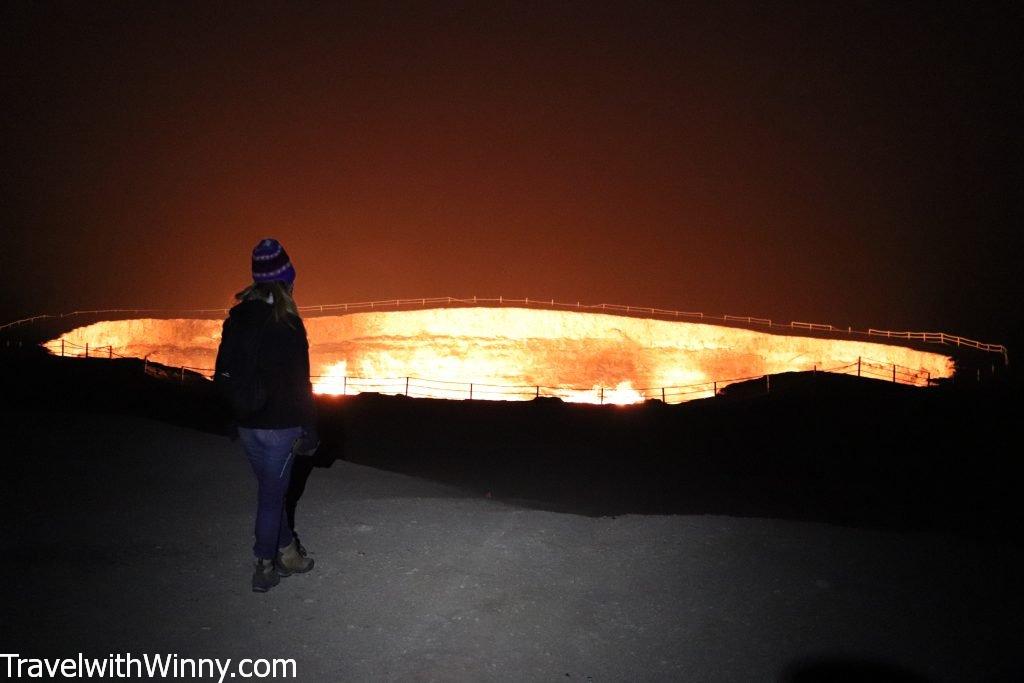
(306, 445)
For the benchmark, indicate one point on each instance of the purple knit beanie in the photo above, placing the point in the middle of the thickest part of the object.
(270, 262)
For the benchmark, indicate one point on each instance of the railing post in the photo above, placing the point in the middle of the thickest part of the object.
(344, 385)
(62, 347)
(858, 366)
(110, 351)
(714, 388)
(406, 386)
(470, 391)
(538, 391)
(86, 349)
(602, 395)
(663, 395)
(893, 373)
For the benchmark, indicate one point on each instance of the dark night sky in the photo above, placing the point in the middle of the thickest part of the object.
(847, 163)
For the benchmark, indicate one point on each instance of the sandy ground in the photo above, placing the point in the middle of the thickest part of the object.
(131, 535)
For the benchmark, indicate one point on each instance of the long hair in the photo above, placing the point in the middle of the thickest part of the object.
(283, 303)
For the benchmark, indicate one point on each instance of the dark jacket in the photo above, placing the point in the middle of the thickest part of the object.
(283, 367)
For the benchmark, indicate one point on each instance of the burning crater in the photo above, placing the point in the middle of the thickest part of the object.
(519, 353)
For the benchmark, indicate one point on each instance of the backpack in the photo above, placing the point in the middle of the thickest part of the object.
(236, 373)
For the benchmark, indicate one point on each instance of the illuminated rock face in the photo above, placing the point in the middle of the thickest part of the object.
(571, 354)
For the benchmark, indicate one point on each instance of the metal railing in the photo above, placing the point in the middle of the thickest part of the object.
(940, 338)
(421, 387)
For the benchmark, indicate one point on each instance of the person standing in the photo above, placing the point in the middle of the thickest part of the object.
(263, 370)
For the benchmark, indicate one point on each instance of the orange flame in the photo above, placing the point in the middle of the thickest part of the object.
(334, 381)
(517, 354)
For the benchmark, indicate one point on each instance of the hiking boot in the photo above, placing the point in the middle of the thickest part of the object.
(298, 544)
(293, 560)
(264, 576)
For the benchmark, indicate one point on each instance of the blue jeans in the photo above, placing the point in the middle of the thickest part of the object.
(270, 454)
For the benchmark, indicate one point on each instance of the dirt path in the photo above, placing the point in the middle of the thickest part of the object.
(133, 535)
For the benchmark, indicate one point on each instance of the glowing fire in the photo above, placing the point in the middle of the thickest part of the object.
(334, 380)
(519, 354)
